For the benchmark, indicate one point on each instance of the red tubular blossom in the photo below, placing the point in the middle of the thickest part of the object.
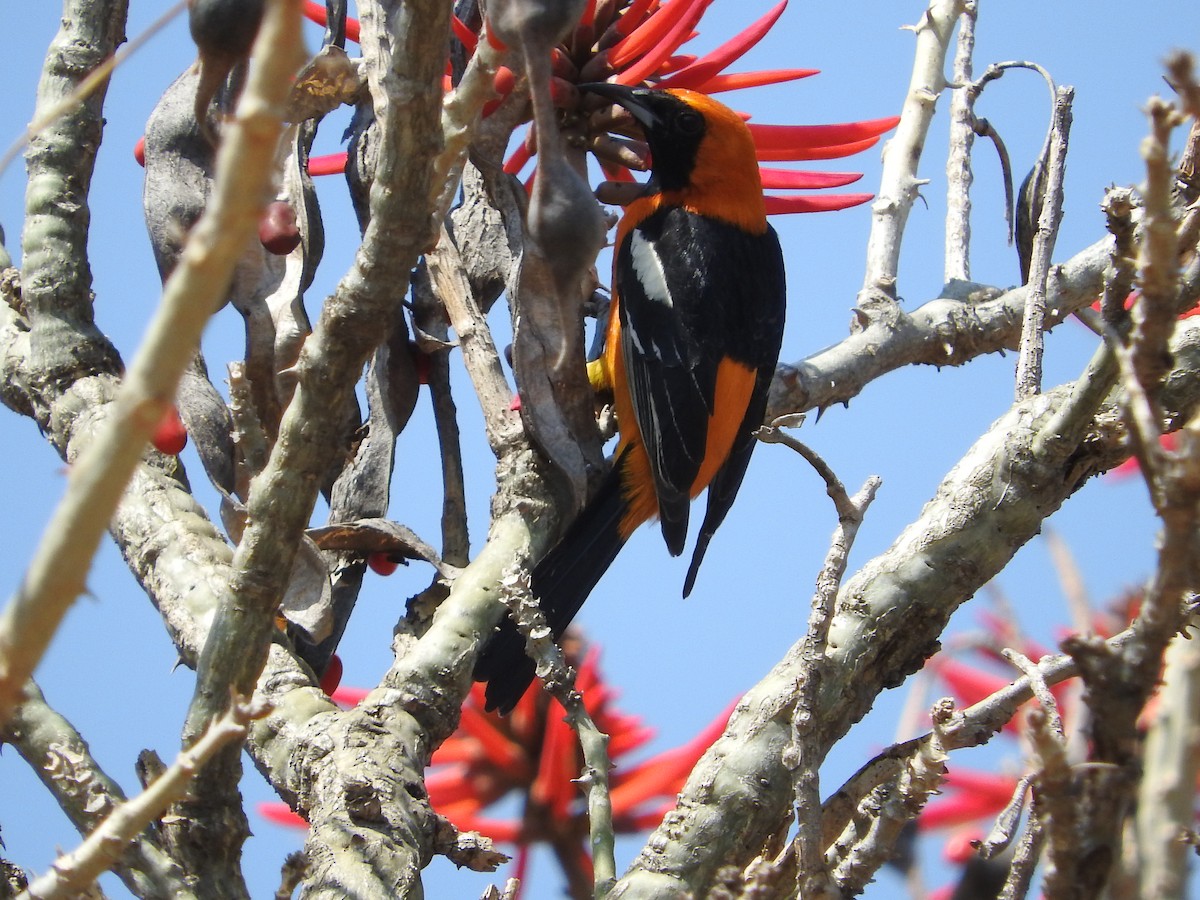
(281, 814)
(999, 788)
(677, 32)
(465, 35)
(782, 205)
(802, 154)
(502, 831)
(731, 51)
(633, 736)
(787, 179)
(633, 16)
(640, 36)
(494, 745)
(330, 164)
(315, 12)
(348, 696)
(452, 785)
(819, 137)
(736, 81)
(558, 765)
(959, 808)
(516, 162)
(664, 774)
(647, 820)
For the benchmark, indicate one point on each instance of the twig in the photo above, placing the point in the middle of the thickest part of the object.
(1181, 75)
(1020, 874)
(1005, 826)
(1170, 762)
(1158, 262)
(559, 679)
(1070, 578)
(461, 110)
(1071, 422)
(1041, 691)
(1118, 206)
(295, 867)
(896, 808)
(969, 728)
(942, 332)
(72, 873)
(1029, 365)
(456, 541)
(899, 185)
(430, 322)
(804, 755)
(60, 757)
(958, 162)
(480, 356)
(1054, 803)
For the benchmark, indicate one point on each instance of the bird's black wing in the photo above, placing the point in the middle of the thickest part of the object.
(692, 291)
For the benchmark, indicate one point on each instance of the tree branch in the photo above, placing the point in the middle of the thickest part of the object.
(60, 757)
(957, 265)
(72, 874)
(898, 185)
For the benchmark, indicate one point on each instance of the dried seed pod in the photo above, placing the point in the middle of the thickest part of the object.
(224, 31)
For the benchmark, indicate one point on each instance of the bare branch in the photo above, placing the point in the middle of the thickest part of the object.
(1029, 365)
(60, 757)
(947, 331)
(72, 873)
(957, 264)
(899, 185)
(1158, 262)
(1170, 763)
(559, 680)
(804, 754)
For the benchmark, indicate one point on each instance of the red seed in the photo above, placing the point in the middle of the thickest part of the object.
(504, 81)
(139, 151)
(277, 228)
(382, 564)
(332, 676)
(170, 437)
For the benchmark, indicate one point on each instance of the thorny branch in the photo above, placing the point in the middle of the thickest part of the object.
(959, 177)
(1029, 364)
(559, 679)
(804, 755)
(73, 873)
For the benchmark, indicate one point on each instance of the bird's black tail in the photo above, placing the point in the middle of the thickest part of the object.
(561, 582)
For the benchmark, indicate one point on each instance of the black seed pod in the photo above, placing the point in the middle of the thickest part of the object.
(224, 32)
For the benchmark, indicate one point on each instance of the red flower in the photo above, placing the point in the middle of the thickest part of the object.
(637, 42)
(534, 753)
(968, 796)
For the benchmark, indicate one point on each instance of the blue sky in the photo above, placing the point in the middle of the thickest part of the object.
(677, 662)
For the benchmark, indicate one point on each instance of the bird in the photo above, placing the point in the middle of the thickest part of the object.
(693, 339)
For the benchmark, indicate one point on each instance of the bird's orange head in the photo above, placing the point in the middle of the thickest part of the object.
(701, 153)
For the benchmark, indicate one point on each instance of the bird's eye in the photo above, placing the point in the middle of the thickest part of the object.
(689, 122)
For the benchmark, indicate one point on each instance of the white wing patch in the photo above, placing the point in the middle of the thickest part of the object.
(649, 269)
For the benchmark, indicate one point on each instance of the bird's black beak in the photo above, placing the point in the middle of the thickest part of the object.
(636, 100)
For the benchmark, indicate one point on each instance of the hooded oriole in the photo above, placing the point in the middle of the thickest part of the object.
(693, 339)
